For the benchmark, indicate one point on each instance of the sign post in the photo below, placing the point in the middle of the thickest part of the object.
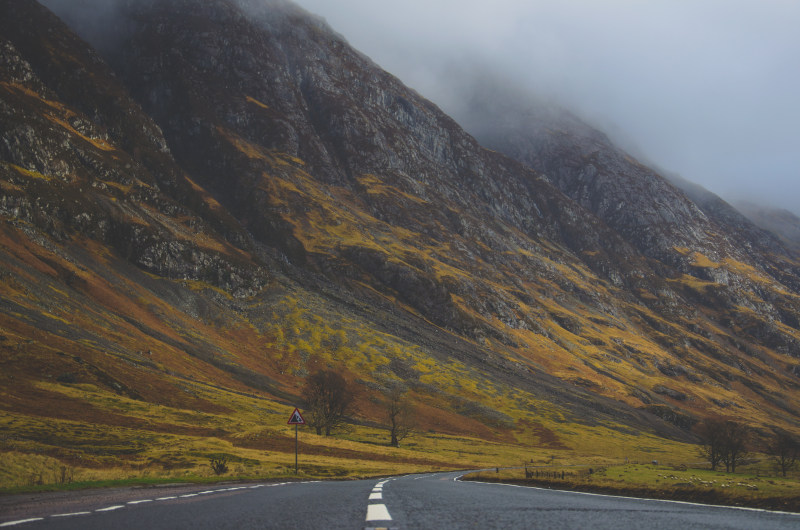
(296, 419)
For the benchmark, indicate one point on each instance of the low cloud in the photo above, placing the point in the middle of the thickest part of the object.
(707, 89)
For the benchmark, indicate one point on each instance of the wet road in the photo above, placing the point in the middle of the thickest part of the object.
(416, 501)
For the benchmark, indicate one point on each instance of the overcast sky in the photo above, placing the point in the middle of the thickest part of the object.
(709, 89)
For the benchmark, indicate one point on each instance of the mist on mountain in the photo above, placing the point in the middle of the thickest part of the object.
(702, 88)
(699, 91)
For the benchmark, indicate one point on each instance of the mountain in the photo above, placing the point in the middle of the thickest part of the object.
(783, 223)
(213, 199)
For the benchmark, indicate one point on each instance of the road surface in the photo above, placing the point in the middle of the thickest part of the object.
(410, 502)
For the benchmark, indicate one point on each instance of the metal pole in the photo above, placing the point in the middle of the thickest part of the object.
(295, 449)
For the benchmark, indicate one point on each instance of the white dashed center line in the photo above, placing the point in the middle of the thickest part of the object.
(377, 512)
(141, 501)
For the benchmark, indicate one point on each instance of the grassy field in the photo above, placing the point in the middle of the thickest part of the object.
(757, 485)
(108, 438)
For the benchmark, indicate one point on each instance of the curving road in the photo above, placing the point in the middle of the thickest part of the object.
(410, 502)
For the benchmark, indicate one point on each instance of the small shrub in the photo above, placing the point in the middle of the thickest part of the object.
(64, 475)
(219, 465)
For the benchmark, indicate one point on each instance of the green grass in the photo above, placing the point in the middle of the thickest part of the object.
(750, 488)
(154, 481)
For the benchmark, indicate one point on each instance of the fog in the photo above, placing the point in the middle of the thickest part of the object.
(707, 89)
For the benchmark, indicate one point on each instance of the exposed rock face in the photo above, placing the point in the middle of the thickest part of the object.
(686, 229)
(80, 158)
(211, 142)
(376, 147)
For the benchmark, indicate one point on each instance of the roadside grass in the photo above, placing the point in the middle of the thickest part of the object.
(117, 440)
(255, 453)
(46, 453)
(67, 435)
(751, 487)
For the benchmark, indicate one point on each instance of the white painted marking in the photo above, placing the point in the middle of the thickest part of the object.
(21, 521)
(169, 498)
(376, 496)
(110, 508)
(378, 512)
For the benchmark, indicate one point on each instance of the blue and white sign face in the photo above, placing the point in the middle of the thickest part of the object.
(296, 418)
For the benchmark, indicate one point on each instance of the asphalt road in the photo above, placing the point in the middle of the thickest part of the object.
(417, 501)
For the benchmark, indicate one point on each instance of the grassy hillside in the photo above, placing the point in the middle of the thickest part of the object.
(117, 373)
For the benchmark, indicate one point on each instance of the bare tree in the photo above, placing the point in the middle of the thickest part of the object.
(329, 401)
(736, 437)
(784, 450)
(399, 413)
(724, 442)
(711, 431)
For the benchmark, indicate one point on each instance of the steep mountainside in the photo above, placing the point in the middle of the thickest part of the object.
(680, 225)
(230, 196)
(783, 223)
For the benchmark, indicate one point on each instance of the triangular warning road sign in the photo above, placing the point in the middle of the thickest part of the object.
(296, 418)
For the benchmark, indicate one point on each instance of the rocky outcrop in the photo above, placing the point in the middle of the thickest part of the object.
(79, 158)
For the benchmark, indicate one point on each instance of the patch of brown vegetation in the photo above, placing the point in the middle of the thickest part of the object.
(285, 444)
(546, 438)
(27, 399)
